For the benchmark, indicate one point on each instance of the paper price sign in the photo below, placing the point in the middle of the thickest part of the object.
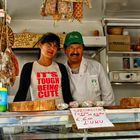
(92, 117)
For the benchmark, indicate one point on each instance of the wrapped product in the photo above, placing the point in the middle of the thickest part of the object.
(87, 103)
(69, 15)
(74, 104)
(88, 3)
(62, 7)
(62, 106)
(100, 103)
(78, 10)
(73, 0)
(43, 9)
(8, 70)
(51, 7)
(13, 59)
(56, 17)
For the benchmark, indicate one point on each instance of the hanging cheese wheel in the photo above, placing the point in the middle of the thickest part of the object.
(78, 10)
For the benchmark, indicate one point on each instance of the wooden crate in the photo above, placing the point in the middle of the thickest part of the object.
(119, 43)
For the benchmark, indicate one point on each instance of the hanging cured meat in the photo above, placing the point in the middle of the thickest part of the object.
(51, 7)
(78, 10)
(69, 15)
(64, 9)
(6, 33)
(88, 3)
(43, 9)
(56, 16)
(8, 71)
(13, 59)
(9, 64)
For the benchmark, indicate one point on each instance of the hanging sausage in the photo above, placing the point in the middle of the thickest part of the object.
(78, 10)
(64, 9)
(43, 8)
(5, 33)
(51, 7)
(9, 64)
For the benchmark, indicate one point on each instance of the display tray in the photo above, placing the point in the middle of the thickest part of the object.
(117, 127)
(63, 117)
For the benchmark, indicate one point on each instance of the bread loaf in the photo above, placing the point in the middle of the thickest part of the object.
(37, 105)
(133, 102)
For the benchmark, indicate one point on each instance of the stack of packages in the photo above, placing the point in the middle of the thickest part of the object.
(64, 9)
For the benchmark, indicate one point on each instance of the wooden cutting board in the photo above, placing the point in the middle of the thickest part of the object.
(37, 105)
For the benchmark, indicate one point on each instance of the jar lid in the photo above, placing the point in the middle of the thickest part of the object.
(3, 89)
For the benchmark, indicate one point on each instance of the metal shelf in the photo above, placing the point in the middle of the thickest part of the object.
(131, 22)
(131, 54)
(46, 118)
(124, 52)
(125, 83)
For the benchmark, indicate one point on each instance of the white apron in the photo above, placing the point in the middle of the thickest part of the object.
(84, 86)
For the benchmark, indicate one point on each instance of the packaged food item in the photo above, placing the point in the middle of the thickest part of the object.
(62, 7)
(43, 8)
(3, 99)
(130, 102)
(87, 103)
(126, 63)
(74, 104)
(100, 103)
(78, 10)
(51, 7)
(62, 106)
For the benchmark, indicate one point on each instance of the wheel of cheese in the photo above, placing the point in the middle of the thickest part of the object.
(37, 105)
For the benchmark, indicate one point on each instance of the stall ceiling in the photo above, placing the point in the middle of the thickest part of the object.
(30, 9)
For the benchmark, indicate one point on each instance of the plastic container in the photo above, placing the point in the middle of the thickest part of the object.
(3, 99)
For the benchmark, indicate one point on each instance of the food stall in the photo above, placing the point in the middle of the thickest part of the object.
(27, 23)
(126, 121)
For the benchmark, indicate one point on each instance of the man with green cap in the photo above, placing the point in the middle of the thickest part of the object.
(88, 80)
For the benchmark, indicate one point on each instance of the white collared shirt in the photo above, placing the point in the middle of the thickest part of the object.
(91, 83)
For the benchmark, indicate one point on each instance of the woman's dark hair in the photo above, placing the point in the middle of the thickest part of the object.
(50, 37)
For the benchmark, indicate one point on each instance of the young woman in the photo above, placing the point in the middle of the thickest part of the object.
(46, 78)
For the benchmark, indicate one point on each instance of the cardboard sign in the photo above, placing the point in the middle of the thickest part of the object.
(92, 117)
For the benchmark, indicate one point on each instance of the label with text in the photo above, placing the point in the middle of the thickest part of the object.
(92, 117)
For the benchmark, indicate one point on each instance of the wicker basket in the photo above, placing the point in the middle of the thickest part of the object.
(115, 31)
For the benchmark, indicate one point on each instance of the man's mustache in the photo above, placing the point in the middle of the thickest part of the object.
(76, 54)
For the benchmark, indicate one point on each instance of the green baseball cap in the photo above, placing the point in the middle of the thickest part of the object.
(73, 37)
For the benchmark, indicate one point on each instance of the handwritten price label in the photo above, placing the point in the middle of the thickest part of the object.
(92, 117)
